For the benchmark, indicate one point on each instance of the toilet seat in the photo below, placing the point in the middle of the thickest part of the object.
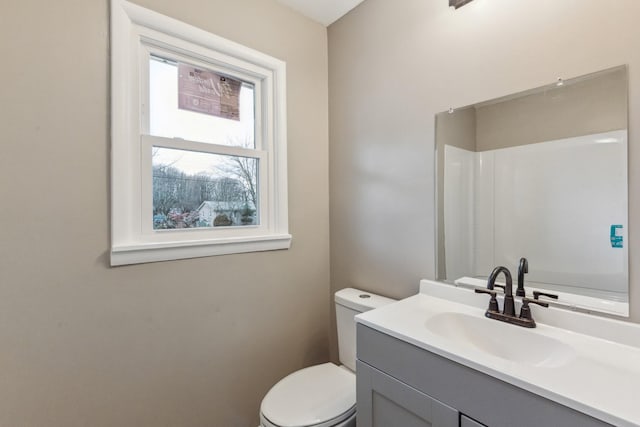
(319, 396)
(349, 422)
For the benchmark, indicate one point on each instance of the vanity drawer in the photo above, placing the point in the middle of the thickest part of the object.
(484, 398)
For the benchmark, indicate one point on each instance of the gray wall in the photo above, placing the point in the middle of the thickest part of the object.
(392, 68)
(457, 128)
(185, 343)
(589, 105)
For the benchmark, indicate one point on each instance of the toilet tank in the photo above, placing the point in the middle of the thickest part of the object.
(349, 302)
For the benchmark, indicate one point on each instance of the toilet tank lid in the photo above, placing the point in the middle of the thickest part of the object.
(359, 300)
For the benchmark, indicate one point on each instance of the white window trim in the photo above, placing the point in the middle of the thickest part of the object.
(133, 30)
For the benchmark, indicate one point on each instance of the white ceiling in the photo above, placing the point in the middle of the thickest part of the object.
(325, 12)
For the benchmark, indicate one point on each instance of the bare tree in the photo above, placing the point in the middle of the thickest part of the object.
(244, 170)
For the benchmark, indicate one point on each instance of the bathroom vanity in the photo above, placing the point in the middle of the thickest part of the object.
(399, 381)
(434, 360)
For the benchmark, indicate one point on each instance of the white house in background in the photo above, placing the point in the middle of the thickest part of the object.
(228, 213)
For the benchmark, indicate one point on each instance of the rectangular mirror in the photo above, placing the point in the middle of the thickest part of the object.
(542, 175)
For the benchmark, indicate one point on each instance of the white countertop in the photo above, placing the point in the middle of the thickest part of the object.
(597, 372)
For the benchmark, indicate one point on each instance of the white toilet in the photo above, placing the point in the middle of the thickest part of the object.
(323, 395)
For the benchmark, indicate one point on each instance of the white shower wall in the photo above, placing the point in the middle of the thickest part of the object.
(459, 218)
(552, 202)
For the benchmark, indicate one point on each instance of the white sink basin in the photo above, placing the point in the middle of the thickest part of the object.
(509, 342)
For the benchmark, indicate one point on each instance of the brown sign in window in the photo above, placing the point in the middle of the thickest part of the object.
(206, 92)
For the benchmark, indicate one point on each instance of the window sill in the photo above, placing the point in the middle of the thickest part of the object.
(154, 252)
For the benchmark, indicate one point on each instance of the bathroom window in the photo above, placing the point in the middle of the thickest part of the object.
(198, 142)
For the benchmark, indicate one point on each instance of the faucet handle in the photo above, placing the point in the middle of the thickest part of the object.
(525, 311)
(538, 294)
(503, 287)
(493, 302)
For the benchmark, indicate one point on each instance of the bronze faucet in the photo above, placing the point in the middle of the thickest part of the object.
(509, 314)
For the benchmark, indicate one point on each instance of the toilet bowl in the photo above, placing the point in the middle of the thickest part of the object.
(323, 395)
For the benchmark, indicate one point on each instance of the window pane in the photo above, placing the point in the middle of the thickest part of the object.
(194, 189)
(166, 119)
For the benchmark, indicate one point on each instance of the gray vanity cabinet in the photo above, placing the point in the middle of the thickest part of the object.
(401, 385)
(384, 401)
(468, 422)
